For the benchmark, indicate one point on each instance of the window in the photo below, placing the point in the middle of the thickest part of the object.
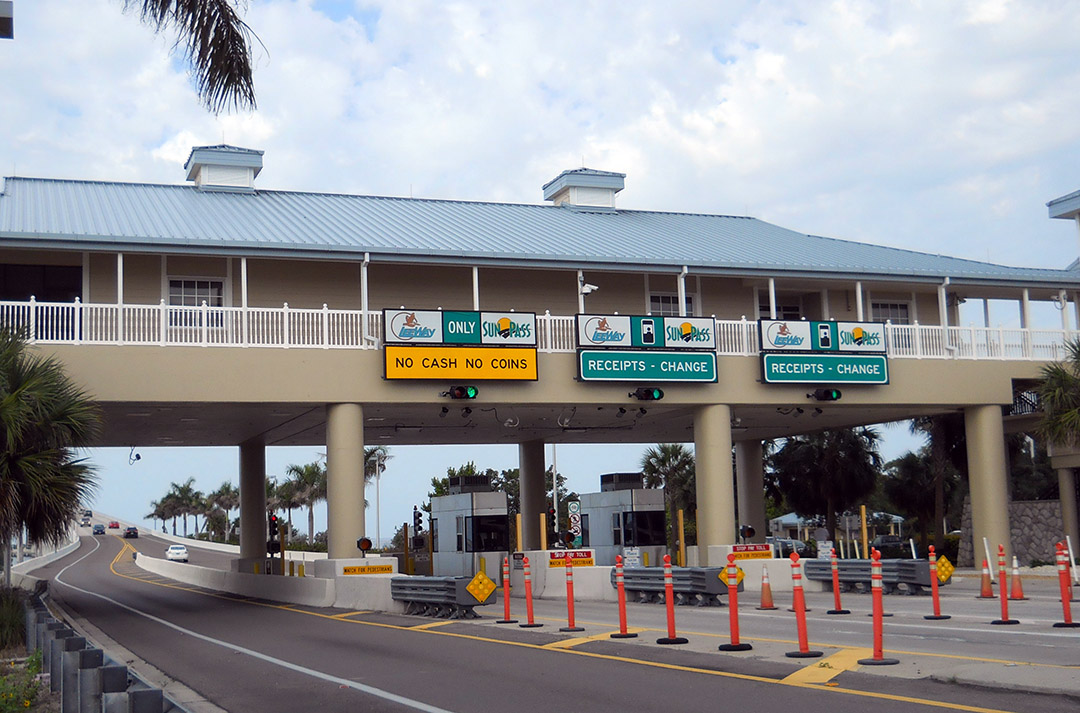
(786, 309)
(487, 533)
(895, 312)
(666, 304)
(192, 292)
(435, 535)
(585, 529)
(644, 528)
(616, 528)
(460, 522)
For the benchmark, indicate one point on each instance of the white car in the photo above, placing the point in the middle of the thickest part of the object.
(176, 553)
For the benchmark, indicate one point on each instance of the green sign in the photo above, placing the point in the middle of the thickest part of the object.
(595, 365)
(824, 368)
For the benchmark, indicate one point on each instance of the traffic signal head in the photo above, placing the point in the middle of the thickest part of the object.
(647, 393)
(417, 519)
(825, 394)
(462, 392)
(273, 522)
(746, 531)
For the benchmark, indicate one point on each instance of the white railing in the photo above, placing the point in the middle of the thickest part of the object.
(290, 328)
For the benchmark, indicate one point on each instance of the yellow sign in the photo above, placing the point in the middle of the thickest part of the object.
(739, 574)
(754, 555)
(369, 569)
(480, 587)
(944, 569)
(580, 558)
(466, 363)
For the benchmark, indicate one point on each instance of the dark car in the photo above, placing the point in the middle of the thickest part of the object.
(131, 532)
(99, 529)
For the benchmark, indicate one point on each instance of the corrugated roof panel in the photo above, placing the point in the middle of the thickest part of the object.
(306, 223)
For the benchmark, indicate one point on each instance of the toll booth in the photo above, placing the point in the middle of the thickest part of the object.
(469, 526)
(624, 515)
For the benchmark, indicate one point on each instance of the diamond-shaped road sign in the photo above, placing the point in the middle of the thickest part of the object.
(480, 587)
(944, 569)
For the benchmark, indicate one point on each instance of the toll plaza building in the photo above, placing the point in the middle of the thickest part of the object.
(218, 313)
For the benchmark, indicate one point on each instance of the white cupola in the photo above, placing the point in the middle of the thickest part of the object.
(585, 187)
(224, 168)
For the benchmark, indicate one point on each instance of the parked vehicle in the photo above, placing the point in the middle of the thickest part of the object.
(131, 532)
(99, 529)
(785, 546)
(176, 553)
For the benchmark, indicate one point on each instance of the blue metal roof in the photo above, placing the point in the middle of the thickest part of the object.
(87, 215)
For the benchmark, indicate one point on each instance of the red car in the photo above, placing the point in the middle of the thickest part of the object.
(114, 525)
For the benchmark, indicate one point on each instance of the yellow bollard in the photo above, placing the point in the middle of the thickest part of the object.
(292, 568)
(300, 570)
(682, 537)
(645, 559)
(543, 530)
(257, 568)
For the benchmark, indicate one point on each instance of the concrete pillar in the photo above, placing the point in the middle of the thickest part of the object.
(751, 476)
(344, 479)
(715, 481)
(533, 492)
(1067, 488)
(987, 475)
(252, 501)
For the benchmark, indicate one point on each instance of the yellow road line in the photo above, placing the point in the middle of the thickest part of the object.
(577, 641)
(829, 668)
(608, 657)
(346, 615)
(432, 624)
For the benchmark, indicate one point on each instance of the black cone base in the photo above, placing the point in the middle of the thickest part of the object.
(675, 640)
(530, 626)
(1070, 625)
(624, 636)
(884, 613)
(803, 654)
(1018, 599)
(877, 662)
(807, 609)
(1005, 621)
(937, 616)
(838, 611)
(766, 608)
(571, 628)
(735, 647)
(506, 621)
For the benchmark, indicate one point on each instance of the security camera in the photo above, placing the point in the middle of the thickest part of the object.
(588, 289)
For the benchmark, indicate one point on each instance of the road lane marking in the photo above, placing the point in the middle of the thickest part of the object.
(829, 668)
(346, 615)
(608, 657)
(578, 640)
(344, 682)
(431, 625)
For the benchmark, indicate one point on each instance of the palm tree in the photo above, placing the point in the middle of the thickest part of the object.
(186, 498)
(44, 417)
(671, 466)
(289, 498)
(827, 472)
(226, 497)
(1059, 396)
(375, 458)
(217, 44)
(946, 440)
(310, 483)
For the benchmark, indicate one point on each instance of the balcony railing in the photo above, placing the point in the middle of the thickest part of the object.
(290, 328)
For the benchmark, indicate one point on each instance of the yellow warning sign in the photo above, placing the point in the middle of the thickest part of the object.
(739, 574)
(369, 569)
(480, 587)
(475, 363)
(944, 569)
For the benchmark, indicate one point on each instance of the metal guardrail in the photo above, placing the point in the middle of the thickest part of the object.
(700, 586)
(442, 597)
(905, 576)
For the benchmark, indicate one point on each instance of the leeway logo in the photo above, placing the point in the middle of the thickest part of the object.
(688, 333)
(507, 328)
(406, 326)
(599, 332)
(780, 336)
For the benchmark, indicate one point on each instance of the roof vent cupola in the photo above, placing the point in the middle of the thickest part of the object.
(224, 168)
(584, 187)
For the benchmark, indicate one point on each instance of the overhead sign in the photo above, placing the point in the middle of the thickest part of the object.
(645, 332)
(472, 363)
(824, 368)
(798, 335)
(407, 326)
(646, 366)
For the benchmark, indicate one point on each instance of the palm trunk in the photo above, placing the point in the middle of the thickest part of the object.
(937, 461)
(311, 524)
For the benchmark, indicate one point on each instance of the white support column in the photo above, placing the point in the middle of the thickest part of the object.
(749, 472)
(344, 479)
(772, 298)
(943, 304)
(531, 469)
(914, 308)
(715, 480)
(988, 477)
(755, 313)
(986, 312)
(120, 278)
(364, 298)
(252, 503)
(648, 302)
(682, 292)
(85, 277)
(825, 305)
(1067, 495)
(580, 294)
(858, 302)
(245, 328)
(475, 289)
(1025, 309)
(1063, 298)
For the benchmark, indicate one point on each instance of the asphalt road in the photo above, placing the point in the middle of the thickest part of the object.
(245, 655)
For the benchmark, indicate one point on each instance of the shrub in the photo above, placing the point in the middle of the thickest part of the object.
(20, 685)
(12, 618)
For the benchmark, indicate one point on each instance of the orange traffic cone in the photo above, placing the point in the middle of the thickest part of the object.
(1017, 591)
(766, 590)
(987, 592)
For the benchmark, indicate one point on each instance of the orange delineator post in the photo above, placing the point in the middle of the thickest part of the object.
(837, 609)
(1065, 584)
(530, 624)
(1017, 591)
(733, 607)
(621, 588)
(568, 564)
(986, 591)
(766, 590)
(799, 605)
(934, 588)
(879, 611)
(1001, 590)
(669, 598)
(506, 594)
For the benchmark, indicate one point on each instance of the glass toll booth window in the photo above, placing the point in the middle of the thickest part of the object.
(641, 529)
(487, 533)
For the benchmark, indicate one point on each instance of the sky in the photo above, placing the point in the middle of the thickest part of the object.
(939, 127)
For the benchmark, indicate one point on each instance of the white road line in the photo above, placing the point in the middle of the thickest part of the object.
(377, 692)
